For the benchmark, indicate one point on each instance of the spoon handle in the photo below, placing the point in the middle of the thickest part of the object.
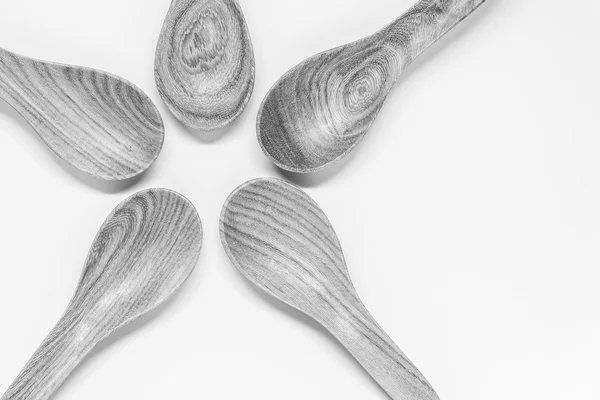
(380, 357)
(7, 64)
(15, 83)
(66, 345)
(425, 23)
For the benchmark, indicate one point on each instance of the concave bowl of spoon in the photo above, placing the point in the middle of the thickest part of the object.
(144, 252)
(318, 111)
(204, 63)
(96, 122)
(283, 243)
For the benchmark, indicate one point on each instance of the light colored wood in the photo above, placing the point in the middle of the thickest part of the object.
(143, 253)
(320, 110)
(96, 122)
(280, 239)
(204, 65)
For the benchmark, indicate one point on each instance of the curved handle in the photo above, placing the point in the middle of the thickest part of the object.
(424, 23)
(12, 81)
(379, 356)
(66, 345)
(5, 67)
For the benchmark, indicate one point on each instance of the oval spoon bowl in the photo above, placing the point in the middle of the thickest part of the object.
(319, 111)
(204, 64)
(281, 241)
(145, 250)
(96, 122)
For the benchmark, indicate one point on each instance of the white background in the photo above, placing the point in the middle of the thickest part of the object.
(469, 215)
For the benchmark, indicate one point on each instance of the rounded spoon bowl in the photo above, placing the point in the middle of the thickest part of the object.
(320, 110)
(145, 250)
(96, 122)
(204, 63)
(280, 240)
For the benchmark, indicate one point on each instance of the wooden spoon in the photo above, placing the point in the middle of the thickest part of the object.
(144, 252)
(319, 111)
(97, 122)
(204, 65)
(280, 239)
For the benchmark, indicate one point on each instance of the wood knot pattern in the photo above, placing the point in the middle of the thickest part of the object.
(204, 63)
(203, 44)
(145, 250)
(320, 110)
(280, 239)
(95, 121)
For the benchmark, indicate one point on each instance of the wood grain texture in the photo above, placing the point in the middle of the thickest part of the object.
(204, 65)
(97, 122)
(280, 239)
(320, 110)
(143, 253)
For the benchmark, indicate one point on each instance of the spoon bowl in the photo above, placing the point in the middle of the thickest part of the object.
(145, 250)
(320, 110)
(204, 64)
(96, 122)
(280, 239)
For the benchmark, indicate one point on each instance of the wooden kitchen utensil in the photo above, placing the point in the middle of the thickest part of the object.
(143, 253)
(280, 239)
(204, 64)
(96, 122)
(319, 110)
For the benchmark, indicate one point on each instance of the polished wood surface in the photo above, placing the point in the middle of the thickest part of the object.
(320, 110)
(204, 64)
(280, 239)
(145, 250)
(97, 122)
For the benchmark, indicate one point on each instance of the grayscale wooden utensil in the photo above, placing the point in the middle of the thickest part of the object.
(204, 64)
(319, 110)
(280, 239)
(96, 122)
(143, 253)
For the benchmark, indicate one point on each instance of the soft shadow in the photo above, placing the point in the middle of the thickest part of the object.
(207, 137)
(443, 45)
(304, 320)
(108, 187)
(315, 178)
(96, 183)
(216, 135)
(7, 109)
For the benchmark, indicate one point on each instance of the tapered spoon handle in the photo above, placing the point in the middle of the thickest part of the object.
(424, 24)
(66, 345)
(380, 356)
(16, 83)
(6, 91)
